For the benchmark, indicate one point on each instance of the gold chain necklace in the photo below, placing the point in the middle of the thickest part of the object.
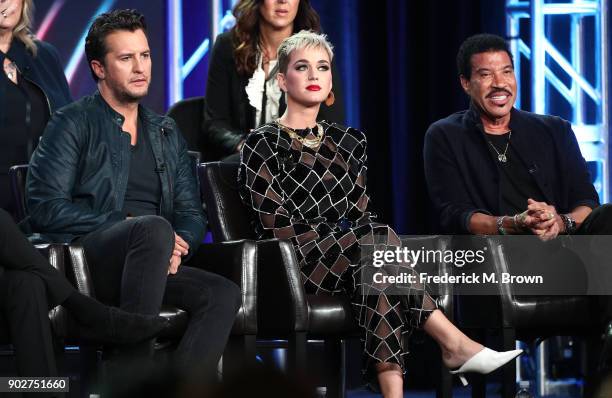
(309, 142)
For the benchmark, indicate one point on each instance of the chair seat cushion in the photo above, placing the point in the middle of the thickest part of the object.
(558, 315)
(330, 315)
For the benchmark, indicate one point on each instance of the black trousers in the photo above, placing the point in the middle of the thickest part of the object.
(29, 287)
(129, 263)
(599, 222)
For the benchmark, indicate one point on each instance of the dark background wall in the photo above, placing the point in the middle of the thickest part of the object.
(405, 53)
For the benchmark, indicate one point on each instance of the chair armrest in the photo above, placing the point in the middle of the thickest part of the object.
(236, 261)
(497, 308)
(56, 254)
(80, 270)
(282, 301)
(443, 292)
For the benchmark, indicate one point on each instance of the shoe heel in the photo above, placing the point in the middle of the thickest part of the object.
(463, 380)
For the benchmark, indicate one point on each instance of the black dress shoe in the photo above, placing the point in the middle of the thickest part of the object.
(125, 328)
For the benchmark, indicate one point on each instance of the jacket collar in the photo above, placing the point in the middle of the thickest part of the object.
(472, 117)
(147, 115)
(19, 54)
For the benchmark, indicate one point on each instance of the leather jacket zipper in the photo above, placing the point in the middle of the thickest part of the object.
(163, 169)
(31, 145)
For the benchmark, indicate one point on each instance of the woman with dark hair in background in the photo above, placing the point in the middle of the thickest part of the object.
(242, 92)
(32, 87)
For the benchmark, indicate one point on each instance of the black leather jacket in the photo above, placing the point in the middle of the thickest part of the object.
(78, 174)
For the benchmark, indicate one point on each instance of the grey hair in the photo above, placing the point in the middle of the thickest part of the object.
(302, 39)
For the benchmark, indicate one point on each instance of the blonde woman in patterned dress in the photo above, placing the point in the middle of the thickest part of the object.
(306, 181)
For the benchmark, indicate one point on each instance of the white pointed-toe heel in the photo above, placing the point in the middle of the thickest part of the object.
(485, 361)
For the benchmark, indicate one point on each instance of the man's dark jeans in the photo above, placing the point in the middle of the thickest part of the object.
(129, 263)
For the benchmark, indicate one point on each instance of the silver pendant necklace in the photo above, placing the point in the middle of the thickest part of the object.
(10, 70)
(501, 157)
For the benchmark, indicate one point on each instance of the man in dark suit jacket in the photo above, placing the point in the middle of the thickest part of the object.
(494, 169)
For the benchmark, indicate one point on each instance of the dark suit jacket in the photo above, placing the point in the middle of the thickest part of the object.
(228, 116)
(463, 178)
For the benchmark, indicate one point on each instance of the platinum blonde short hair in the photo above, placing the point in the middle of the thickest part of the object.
(300, 40)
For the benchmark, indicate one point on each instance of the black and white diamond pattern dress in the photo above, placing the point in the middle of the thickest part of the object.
(317, 198)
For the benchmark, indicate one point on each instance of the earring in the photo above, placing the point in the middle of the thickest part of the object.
(331, 98)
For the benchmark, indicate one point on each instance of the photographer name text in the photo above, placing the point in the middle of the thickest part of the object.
(464, 278)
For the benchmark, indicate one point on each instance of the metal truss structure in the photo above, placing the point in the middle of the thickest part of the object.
(221, 19)
(560, 55)
(563, 47)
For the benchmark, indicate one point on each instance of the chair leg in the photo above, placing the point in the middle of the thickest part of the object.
(478, 381)
(445, 386)
(239, 353)
(249, 344)
(592, 375)
(298, 352)
(508, 371)
(336, 368)
(88, 363)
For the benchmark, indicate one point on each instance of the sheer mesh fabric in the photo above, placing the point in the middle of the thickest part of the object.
(316, 197)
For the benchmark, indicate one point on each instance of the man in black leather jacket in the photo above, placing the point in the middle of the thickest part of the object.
(116, 177)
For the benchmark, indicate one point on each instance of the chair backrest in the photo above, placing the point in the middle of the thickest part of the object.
(17, 178)
(228, 216)
(189, 116)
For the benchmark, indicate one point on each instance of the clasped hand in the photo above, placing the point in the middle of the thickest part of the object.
(541, 219)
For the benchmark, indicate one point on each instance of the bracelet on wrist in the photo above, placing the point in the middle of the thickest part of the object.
(569, 223)
(500, 225)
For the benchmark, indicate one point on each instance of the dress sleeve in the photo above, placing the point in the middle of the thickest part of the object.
(358, 197)
(260, 173)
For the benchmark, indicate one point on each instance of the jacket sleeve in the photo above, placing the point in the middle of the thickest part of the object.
(54, 66)
(220, 132)
(189, 220)
(260, 172)
(335, 113)
(51, 178)
(67, 97)
(581, 190)
(446, 186)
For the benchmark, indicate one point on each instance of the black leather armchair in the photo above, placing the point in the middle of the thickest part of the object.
(514, 317)
(284, 309)
(234, 260)
(188, 115)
